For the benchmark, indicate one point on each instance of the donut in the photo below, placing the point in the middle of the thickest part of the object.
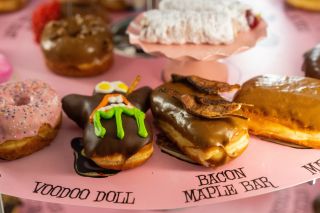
(203, 125)
(11, 5)
(311, 65)
(116, 135)
(283, 108)
(196, 22)
(30, 116)
(78, 46)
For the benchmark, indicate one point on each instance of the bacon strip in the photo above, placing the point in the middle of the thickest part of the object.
(204, 85)
(213, 106)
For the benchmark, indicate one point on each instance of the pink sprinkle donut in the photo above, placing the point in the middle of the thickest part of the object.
(5, 69)
(24, 108)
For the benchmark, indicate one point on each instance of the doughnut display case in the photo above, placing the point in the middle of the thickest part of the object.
(163, 182)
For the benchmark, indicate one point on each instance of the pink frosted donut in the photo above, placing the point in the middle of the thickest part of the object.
(30, 110)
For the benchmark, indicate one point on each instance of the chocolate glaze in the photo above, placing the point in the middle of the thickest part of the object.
(291, 101)
(311, 65)
(203, 133)
(76, 40)
(78, 108)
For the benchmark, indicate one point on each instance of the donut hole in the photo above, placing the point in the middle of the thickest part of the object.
(22, 100)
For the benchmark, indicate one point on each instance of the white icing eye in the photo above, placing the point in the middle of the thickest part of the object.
(119, 86)
(104, 87)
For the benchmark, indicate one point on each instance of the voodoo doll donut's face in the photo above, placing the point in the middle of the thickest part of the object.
(113, 106)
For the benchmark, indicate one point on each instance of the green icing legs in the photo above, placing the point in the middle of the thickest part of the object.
(116, 112)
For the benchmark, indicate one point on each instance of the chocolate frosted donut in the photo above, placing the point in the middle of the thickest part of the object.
(113, 142)
(208, 141)
(311, 65)
(77, 46)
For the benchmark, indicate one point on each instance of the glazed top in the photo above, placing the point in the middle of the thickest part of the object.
(79, 108)
(293, 101)
(76, 40)
(25, 106)
(311, 64)
(203, 133)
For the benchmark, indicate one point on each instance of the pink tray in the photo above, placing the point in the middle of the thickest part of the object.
(161, 182)
(285, 201)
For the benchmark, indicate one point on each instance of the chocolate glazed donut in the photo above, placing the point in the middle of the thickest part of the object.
(78, 46)
(79, 108)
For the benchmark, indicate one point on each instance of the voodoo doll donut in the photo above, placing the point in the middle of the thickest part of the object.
(116, 135)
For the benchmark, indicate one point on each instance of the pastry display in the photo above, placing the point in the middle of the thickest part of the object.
(212, 134)
(284, 108)
(116, 135)
(5, 68)
(311, 65)
(78, 46)
(205, 127)
(217, 25)
(312, 5)
(30, 116)
(11, 5)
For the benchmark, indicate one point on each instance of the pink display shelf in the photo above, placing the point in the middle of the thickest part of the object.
(163, 182)
(295, 199)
